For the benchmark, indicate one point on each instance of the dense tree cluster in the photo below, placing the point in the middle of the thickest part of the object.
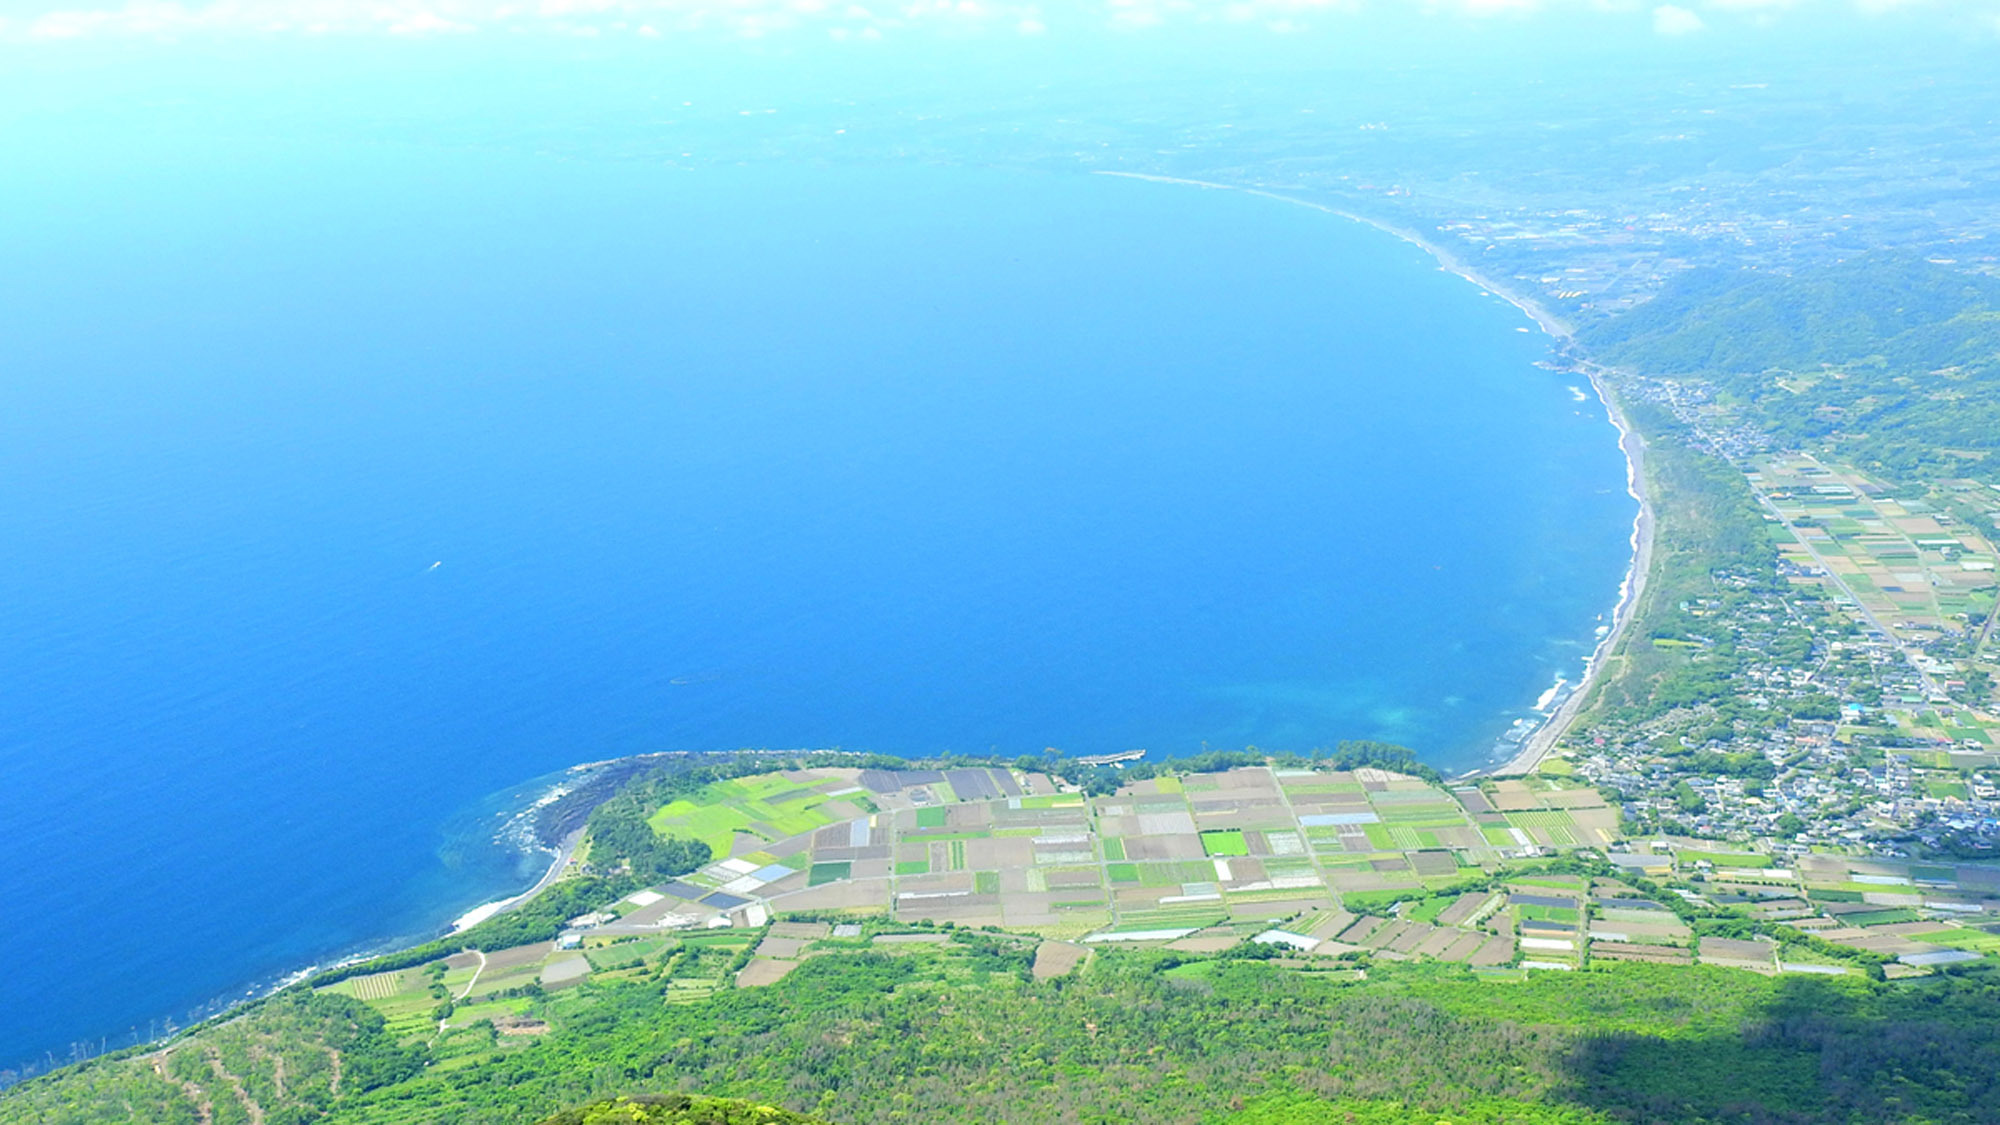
(1101, 781)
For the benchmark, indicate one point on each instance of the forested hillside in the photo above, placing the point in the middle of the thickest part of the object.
(1892, 362)
(960, 1033)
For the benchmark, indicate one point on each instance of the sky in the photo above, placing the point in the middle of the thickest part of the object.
(867, 20)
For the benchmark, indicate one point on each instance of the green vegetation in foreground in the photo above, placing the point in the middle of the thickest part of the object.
(1301, 1109)
(955, 1025)
(959, 1032)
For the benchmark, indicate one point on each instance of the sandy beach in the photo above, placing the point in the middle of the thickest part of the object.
(480, 914)
(1558, 722)
(1538, 744)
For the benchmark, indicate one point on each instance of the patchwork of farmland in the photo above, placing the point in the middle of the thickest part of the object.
(1161, 859)
(1897, 558)
(1338, 869)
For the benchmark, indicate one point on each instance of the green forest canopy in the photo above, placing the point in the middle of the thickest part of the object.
(1890, 361)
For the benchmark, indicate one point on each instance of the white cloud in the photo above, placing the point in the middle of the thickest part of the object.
(1672, 19)
(426, 23)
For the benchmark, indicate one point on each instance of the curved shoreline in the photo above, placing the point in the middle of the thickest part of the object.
(564, 852)
(1538, 744)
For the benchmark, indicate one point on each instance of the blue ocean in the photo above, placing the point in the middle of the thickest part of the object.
(347, 487)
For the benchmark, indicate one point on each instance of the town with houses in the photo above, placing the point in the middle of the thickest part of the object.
(1861, 678)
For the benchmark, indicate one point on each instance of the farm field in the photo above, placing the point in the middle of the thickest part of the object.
(1332, 862)
(1907, 562)
(1332, 868)
(1162, 857)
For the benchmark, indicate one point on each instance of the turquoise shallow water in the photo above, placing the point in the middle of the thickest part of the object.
(347, 488)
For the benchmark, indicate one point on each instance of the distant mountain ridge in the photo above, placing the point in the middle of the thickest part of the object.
(1899, 307)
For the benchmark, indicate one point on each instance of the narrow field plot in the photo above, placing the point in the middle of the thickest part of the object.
(1726, 859)
(1628, 951)
(1730, 949)
(1960, 937)
(1169, 919)
(1439, 940)
(378, 986)
(782, 948)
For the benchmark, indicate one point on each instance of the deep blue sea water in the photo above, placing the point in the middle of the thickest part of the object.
(342, 489)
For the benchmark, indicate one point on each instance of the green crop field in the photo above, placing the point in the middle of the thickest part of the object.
(1423, 816)
(1881, 917)
(1959, 937)
(1428, 910)
(1547, 913)
(1559, 882)
(1727, 859)
(1177, 917)
(1224, 842)
(717, 813)
(1540, 818)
